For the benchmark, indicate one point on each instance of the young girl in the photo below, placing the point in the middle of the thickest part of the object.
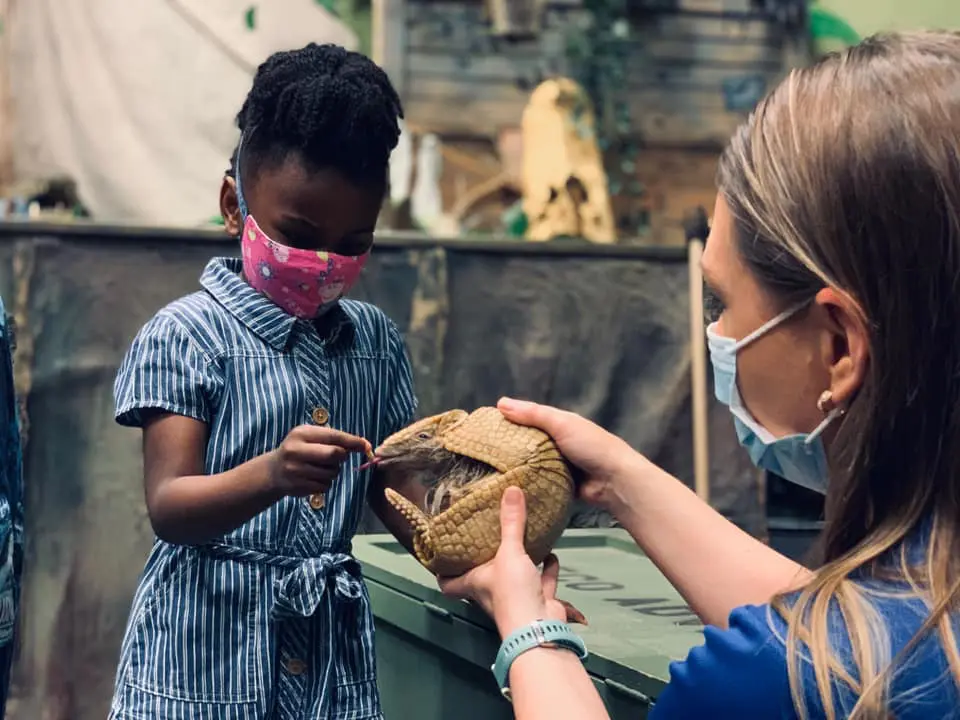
(259, 396)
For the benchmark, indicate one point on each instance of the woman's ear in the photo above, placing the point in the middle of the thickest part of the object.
(230, 207)
(846, 348)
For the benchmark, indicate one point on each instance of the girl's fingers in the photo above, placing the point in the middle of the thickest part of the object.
(311, 476)
(316, 435)
(310, 454)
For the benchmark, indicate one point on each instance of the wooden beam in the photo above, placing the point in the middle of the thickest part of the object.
(388, 46)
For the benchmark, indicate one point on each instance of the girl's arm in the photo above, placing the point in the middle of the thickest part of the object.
(400, 410)
(185, 506)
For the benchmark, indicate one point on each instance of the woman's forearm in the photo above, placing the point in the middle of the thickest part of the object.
(715, 565)
(552, 684)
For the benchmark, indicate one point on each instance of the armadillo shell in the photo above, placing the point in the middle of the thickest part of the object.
(467, 533)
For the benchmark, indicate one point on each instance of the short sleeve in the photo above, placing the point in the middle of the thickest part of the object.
(163, 370)
(737, 673)
(401, 400)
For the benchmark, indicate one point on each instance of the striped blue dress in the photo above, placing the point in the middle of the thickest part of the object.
(272, 620)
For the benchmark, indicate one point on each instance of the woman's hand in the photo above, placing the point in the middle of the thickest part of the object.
(603, 457)
(510, 588)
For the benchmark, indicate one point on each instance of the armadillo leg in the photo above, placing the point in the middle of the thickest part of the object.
(422, 539)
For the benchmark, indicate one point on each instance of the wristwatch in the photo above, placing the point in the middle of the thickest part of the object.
(539, 633)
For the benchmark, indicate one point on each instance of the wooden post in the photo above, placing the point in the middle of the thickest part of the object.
(696, 228)
(515, 18)
(388, 44)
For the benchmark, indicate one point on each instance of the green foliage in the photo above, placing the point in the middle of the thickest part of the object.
(598, 53)
(827, 29)
(355, 14)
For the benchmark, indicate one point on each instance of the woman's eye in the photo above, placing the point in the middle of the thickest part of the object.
(712, 305)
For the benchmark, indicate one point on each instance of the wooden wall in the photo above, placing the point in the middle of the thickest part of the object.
(691, 77)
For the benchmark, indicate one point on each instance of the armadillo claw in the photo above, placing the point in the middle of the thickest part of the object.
(411, 513)
(419, 524)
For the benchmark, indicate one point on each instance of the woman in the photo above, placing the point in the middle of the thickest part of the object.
(833, 268)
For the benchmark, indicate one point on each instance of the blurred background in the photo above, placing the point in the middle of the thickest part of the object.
(533, 242)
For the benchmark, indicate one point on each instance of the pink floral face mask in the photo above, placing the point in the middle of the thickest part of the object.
(302, 282)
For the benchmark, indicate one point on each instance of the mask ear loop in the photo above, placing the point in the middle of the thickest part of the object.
(770, 324)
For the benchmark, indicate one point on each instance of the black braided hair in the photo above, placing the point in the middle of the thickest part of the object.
(334, 107)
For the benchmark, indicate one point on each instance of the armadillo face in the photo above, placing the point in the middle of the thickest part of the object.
(416, 446)
(467, 533)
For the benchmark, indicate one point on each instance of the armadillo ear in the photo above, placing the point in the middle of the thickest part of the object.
(451, 419)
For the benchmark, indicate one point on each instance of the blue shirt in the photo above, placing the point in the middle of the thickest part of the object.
(273, 620)
(741, 672)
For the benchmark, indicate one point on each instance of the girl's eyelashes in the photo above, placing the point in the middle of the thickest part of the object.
(298, 238)
(355, 245)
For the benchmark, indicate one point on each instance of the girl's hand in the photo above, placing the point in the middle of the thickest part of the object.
(510, 588)
(309, 459)
(604, 458)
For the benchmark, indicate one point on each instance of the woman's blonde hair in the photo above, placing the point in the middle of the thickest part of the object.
(848, 175)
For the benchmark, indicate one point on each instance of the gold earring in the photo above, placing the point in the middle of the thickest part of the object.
(825, 401)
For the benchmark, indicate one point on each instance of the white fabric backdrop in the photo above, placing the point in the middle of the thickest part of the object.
(135, 99)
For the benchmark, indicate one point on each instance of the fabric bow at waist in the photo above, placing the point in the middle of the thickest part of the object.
(301, 589)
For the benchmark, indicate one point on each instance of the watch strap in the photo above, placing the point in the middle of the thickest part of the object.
(539, 633)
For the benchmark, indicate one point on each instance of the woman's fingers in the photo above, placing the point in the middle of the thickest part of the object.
(547, 418)
(457, 587)
(513, 519)
(551, 572)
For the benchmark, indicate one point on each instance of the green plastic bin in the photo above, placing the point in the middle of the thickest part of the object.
(434, 654)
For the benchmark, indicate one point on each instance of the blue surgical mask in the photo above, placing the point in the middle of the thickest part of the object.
(798, 458)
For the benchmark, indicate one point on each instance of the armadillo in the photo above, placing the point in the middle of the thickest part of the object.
(469, 459)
